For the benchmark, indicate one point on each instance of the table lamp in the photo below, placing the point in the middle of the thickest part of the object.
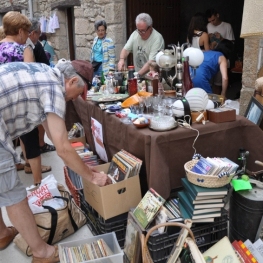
(252, 23)
(170, 58)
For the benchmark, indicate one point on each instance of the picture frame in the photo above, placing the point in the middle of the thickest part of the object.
(254, 111)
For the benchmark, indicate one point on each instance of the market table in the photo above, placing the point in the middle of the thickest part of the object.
(165, 153)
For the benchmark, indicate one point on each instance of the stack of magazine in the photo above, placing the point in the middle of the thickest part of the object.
(214, 166)
(123, 166)
(76, 131)
(85, 252)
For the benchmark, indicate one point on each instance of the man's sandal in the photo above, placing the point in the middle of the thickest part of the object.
(47, 148)
(20, 166)
(54, 258)
(44, 169)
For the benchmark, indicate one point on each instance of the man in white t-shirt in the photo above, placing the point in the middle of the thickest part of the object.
(145, 42)
(217, 29)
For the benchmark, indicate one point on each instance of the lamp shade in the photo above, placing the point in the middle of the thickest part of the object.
(252, 22)
(166, 59)
(196, 56)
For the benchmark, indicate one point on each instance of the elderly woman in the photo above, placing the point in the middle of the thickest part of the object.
(12, 48)
(103, 50)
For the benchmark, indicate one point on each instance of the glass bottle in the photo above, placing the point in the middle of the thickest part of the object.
(102, 78)
(131, 70)
(187, 81)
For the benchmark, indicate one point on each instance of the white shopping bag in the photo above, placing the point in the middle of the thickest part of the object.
(43, 195)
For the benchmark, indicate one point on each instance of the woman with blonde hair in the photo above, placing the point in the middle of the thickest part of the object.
(12, 48)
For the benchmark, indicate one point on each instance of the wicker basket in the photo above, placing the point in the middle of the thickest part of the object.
(209, 181)
(146, 257)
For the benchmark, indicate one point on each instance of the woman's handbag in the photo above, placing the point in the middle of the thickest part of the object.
(183, 246)
(55, 225)
(95, 65)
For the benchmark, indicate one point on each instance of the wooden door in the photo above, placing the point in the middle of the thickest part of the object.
(165, 15)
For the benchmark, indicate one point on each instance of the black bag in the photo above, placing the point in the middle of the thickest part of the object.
(96, 65)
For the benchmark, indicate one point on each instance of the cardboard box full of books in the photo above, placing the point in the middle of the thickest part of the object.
(78, 139)
(111, 249)
(113, 199)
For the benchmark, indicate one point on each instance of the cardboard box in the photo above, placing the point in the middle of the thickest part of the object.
(114, 199)
(79, 139)
(109, 238)
(221, 115)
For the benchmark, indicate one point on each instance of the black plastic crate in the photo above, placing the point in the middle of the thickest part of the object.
(206, 234)
(98, 225)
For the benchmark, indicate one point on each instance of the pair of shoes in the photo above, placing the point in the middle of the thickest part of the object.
(20, 166)
(44, 169)
(47, 148)
(54, 258)
(5, 241)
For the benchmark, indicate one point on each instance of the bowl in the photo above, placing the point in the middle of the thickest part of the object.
(141, 125)
(114, 108)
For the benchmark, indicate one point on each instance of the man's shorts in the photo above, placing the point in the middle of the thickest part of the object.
(12, 191)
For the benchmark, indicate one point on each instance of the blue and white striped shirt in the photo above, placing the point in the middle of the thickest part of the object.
(28, 92)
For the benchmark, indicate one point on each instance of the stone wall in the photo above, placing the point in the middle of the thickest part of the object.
(249, 76)
(112, 11)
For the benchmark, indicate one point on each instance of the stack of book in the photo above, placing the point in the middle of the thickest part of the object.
(123, 166)
(201, 204)
(249, 252)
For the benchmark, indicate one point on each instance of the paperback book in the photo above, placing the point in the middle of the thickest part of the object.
(148, 208)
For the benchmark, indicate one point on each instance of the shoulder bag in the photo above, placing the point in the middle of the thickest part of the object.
(55, 225)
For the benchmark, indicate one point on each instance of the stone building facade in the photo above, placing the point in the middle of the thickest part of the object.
(86, 12)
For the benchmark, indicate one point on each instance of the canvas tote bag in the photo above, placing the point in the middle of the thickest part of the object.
(55, 225)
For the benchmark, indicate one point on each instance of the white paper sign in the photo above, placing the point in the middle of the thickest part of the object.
(97, 133)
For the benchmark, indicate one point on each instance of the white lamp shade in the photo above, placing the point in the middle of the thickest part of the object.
(196, 56)
(165, 59)
(252, 22)
(197, 99)
(178, 108)
(210, 105)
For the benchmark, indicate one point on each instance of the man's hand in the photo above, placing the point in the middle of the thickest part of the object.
(121, 64)
(100, 179)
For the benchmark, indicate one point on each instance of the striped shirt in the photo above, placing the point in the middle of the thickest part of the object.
(108, 51)
(28, 92)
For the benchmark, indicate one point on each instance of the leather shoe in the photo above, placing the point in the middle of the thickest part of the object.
(54, 258)
(5, 241)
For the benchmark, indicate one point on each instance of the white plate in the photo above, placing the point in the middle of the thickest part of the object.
(108, 111)
(112, 97)
(162, 129)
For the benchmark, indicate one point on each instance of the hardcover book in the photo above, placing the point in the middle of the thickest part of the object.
(240, 252)
(203, 191)
(191, 208)
(250, 257)
(148, 208)
(222, 251)
(186, 214)
(253, 250)
(204, 201)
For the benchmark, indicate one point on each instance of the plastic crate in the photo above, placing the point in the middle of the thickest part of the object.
(206, 234)
(109, 238)
(98, 225)
(75, 192)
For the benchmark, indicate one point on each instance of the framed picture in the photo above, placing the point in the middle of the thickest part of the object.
(254, 111)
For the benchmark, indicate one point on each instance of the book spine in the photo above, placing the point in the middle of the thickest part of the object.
(240, 251)
(186, 204)
(188, 188)
(174, 212)
(247, 252)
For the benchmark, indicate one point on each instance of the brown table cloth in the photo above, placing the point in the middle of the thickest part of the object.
(165, 153)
